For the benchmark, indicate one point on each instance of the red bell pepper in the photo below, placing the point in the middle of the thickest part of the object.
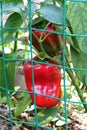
(50, 44)
(47, 80)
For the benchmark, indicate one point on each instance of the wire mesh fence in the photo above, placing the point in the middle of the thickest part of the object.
(43, 69)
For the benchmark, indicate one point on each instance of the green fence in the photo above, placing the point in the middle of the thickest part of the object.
(42, 93)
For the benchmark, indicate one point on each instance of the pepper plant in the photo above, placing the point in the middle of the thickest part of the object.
(57, 36)
(46, 43)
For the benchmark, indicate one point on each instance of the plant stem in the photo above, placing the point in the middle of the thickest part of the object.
(76, 83)
(15, 43)
(54, 2)
(75, 42)
(74, 80)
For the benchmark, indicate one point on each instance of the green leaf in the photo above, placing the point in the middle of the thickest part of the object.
(80, 62)
(22, 105)
(3, 100)
(52, 13)
(9, 7)
(13, 22)
(77, 15)
(37, 20)
(86, 80)
(16, 127)
(10, 73)
(45, 116)
(12, 1)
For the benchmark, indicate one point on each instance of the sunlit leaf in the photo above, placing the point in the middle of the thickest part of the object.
(45, 115)
(22, 105)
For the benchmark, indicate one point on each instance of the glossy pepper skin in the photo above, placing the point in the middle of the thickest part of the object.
(47, 80)
(50, 44)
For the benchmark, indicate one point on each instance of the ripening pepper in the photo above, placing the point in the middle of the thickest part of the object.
(47, 82)
(51, 44)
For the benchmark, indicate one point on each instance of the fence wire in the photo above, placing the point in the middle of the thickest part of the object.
(10, 61)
